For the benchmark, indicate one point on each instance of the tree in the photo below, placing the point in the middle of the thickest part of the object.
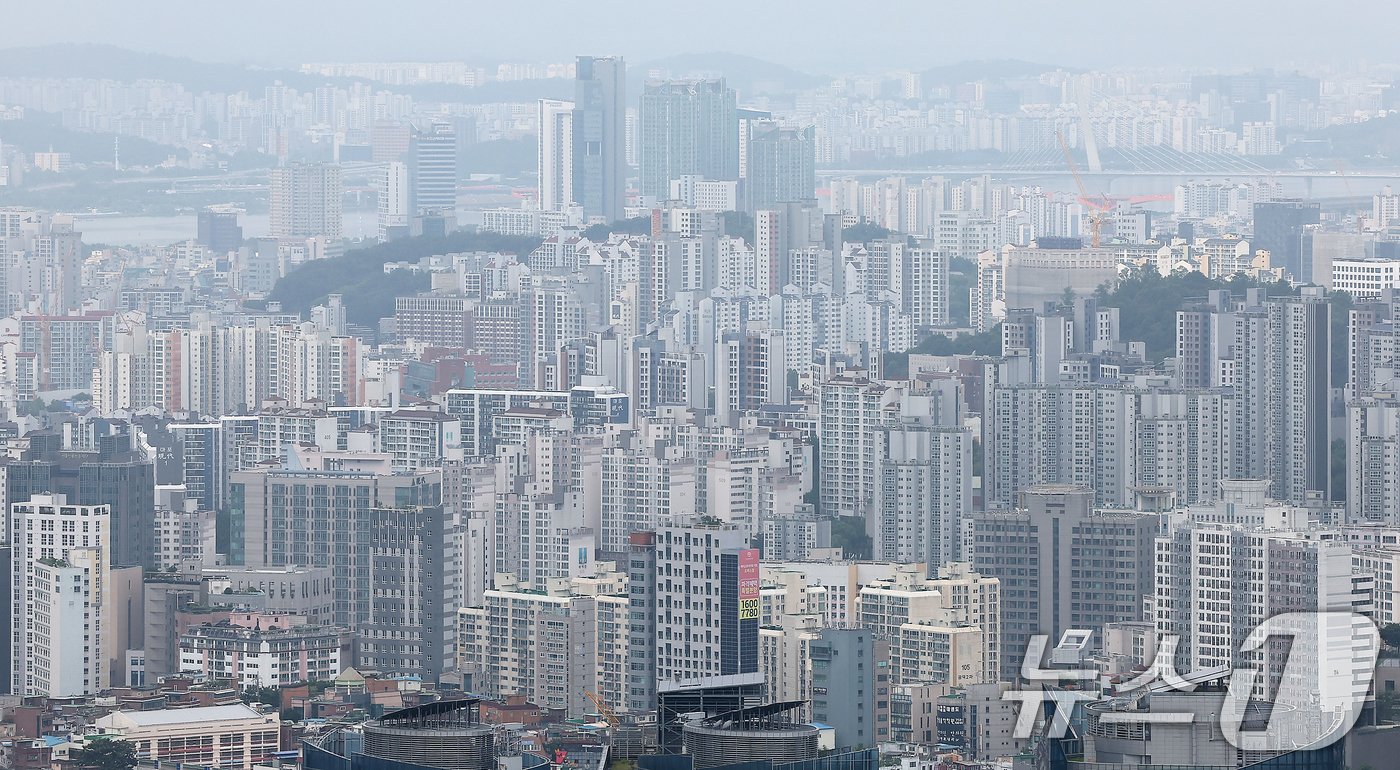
(1390, 635)
(268, 696)
(864, 232)
(359, 274)
(738, 224)
(1147, 302)
(633, 226)
(106, 754)
(962, 277)
(848, 534)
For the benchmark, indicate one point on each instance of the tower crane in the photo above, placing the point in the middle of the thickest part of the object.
(1098, 206)
(603, 709)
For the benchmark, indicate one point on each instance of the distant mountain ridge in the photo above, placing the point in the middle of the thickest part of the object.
(747, 74)
(66, 60)
(985, 69)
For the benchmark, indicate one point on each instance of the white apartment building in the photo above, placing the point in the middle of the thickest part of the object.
(556, 153)
(945, 629)
(784, 657)
(1029, 429)
(61, 577)
(393, 197)
(1385, 208)
(923, 492)
(260, 649)
(280, 429)
(643, 490)
(1365, 278)
(834, 585)
(614, 617)
(418, 438)
(788, 592)
(539, 644)
(851, 407)
(1217, 581)
(184, 536)
(699, 600)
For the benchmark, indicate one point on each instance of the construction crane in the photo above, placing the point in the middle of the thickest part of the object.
(603, 710)
(1098, 206)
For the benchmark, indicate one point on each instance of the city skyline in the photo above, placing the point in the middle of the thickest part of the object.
(809, 408)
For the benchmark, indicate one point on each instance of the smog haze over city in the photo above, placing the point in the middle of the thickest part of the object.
(823, 35)
(732, 386)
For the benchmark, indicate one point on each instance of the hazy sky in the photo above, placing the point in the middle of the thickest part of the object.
(816, 35)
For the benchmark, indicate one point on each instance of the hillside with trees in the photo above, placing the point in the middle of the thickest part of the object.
(359, 276)
(1147, 303)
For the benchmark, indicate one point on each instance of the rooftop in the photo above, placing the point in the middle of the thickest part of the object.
(182, 716)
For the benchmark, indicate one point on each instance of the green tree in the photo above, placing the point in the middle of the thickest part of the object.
(106, 754)
(848, 534)
(1147, 302)
(962, 276)
(738, 224)
(988, 343)
(1390, 635)
(864, 232)
(359, 274)
(268, 696)
(633, 226)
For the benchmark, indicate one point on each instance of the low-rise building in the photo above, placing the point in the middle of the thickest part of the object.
(229, 737)
(254, 649)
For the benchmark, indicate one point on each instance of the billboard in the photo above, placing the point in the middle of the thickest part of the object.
(749, 608)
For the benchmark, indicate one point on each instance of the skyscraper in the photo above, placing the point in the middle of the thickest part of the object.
(923, 492)
(556, 154)
(219, 230)
(60, 579)
(1062, 565)
(846, 677)
(687, 128)
(1278, 229)
(781, 165)
(432, 169)
(599, 136)
(707, 603)
(1275, 353)
(390, 532)
(305, 201)
(394, 212)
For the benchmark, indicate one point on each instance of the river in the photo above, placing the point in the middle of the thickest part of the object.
(123, 230)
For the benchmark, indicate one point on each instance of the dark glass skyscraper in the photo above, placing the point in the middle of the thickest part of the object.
(1278, 227)
(219, 231)
(600, 112)
(116, 474)
(687, 128)
(782, 165)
